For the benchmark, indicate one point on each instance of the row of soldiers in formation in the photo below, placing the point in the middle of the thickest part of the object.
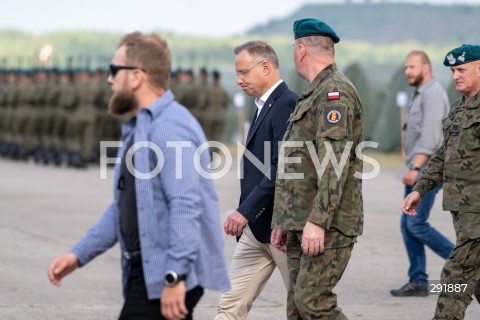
(208, 102)
(60, 116)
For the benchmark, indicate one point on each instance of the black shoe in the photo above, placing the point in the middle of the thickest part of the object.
(411, 289)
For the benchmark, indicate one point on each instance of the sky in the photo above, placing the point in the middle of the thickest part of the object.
(215, 18)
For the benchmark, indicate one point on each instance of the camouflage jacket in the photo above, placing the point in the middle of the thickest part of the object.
(328, 116)
(457, 162)
(217, 102)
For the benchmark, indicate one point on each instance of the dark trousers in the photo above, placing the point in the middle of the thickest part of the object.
(137, 305)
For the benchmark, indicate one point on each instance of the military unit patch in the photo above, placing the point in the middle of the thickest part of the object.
(333, 95)
(334, 116)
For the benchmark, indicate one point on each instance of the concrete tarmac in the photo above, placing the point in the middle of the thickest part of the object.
(45, 210)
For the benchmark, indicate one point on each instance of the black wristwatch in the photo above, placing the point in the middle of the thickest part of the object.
(411, 166)
(172, 278)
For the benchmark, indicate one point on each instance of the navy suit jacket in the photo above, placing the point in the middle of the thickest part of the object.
(257, 190)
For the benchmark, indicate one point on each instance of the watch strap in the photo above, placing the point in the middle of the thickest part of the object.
(171, 278)
(411, 166)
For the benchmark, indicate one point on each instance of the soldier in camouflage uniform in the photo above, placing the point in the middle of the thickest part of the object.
(88, 92)
(200, 91)
(66, 105)
(37, 117)
(51, 154)
(21, 133)
(75, 123)
(107, 126)
(11, 102)
(217, 104)
(186, 91)
(3, 112)
(319, 206)
(457, 164)
(174, 81)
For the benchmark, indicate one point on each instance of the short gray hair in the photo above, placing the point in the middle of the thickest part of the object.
(318, 43)
(259, 49)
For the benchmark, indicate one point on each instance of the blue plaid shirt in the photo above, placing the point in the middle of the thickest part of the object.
(178, 214)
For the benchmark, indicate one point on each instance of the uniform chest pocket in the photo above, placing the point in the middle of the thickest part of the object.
(446, 124)
(471, 133)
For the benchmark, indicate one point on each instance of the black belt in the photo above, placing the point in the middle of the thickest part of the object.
(133, 257)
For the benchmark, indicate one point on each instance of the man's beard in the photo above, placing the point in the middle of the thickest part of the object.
(122, 102)
(417, 81)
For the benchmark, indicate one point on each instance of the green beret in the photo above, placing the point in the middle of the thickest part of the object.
(464, 54)
(313, 27)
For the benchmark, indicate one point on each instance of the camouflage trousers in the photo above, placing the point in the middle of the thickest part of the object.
(462, 267)
(312, 279)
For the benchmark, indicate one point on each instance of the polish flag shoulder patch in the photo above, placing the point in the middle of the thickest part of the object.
(333, 95)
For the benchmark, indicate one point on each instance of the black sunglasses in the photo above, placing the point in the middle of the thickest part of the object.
(114, 69)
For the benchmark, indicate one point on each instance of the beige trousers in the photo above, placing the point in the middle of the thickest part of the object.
(252, 265)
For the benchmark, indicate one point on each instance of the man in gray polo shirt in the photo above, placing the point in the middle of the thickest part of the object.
(422, 137)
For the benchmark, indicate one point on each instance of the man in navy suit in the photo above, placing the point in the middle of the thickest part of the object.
(255, 258)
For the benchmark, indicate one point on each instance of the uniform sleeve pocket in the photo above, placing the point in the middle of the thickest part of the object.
(334, 133)
(470, 123)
